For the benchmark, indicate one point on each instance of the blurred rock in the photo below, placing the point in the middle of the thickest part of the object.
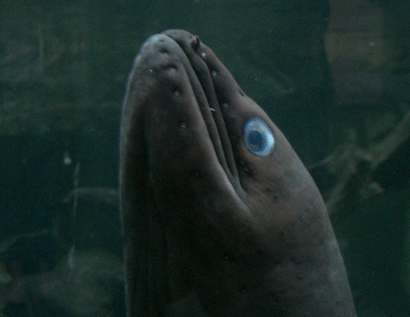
(86, 284)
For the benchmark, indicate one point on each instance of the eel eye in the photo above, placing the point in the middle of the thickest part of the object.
(258, 137)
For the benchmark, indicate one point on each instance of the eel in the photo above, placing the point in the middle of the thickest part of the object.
(219, 215)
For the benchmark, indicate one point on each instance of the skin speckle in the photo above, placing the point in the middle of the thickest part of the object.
(248, 171)
(245, 168)
(177, 93)
(213, 73)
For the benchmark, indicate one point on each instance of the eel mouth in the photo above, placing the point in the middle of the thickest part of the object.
(209, 104)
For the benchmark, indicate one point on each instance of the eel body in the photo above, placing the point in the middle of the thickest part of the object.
(220, 217)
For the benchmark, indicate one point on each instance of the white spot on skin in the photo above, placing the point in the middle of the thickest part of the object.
(214, 73)
(183, 125)
(203, 55)
(176, 93)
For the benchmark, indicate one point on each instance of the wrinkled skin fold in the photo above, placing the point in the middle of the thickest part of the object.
(210, 228)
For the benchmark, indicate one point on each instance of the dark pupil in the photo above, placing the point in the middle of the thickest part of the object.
(256, 139)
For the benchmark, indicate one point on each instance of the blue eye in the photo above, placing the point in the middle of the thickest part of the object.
(258, 137)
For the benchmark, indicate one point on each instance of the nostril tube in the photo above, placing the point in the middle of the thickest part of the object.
(195, 43)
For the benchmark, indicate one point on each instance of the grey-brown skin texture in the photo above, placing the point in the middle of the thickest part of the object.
(210, 229)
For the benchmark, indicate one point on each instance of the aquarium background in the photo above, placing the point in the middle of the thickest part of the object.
(333, 75)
